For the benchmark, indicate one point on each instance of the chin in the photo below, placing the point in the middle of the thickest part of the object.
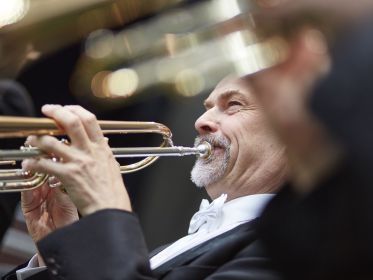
(207, 173)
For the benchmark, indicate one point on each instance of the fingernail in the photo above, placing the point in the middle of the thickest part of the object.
(29, 140)
(49, 107)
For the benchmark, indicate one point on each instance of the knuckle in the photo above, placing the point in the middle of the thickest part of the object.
(72, 122)
(47, 142)
(85, 163)
(72, 170)
(89, 118)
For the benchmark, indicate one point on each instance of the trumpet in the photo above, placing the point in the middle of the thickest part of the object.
(15, 180)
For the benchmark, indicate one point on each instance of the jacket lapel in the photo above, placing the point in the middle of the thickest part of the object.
(204, 247)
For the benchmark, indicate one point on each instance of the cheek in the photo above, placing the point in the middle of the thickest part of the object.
(247, 134)
(259, 144)
(252, 139)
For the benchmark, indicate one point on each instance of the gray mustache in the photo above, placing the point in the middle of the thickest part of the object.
(214, 140)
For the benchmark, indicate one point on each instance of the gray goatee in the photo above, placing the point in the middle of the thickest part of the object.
(207, 172)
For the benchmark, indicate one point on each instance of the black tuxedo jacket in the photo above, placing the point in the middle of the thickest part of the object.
(109, 245)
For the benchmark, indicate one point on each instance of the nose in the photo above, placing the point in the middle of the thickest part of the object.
(206, 123)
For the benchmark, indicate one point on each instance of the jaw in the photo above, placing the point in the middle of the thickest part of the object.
(209, 173)
(225, 184)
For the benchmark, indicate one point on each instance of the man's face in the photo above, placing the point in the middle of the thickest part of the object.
(242, 142)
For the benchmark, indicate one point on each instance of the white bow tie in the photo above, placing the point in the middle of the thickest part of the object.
(209, 215)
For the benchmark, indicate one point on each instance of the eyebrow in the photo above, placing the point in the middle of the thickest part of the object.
(229, 93)
(224, 96)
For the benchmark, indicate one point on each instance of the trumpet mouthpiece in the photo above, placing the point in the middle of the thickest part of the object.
(204, 150)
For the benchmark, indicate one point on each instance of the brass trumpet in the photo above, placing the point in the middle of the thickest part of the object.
(13, 180)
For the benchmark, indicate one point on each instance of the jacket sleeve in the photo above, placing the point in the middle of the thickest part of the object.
(105, 245)
(109, 245)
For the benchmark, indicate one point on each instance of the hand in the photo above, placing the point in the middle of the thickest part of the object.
(344, 9)
(284, 91)
(88, 169)
(46, 209)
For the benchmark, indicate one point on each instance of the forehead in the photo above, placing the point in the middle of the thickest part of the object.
(232, 86)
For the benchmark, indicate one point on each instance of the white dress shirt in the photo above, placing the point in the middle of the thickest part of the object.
(223, 217)
(210, 221)
(31, 269)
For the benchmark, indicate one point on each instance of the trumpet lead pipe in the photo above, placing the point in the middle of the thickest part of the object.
(203, 150)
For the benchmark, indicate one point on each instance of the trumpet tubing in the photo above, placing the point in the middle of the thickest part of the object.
(12, 180)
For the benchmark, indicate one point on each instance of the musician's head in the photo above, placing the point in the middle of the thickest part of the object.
(247, 158)
(14, 99)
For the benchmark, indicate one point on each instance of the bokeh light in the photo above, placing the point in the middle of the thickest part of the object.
(122, 83)
(189, 82)
(12, 11)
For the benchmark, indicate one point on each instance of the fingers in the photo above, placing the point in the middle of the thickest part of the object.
(52, 146)
(70, 123)
(44, 165)
(53, 182)
(55, 170)
(74, 119)
(89, 122)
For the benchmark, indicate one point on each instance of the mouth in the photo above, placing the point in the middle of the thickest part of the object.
(216, 149)
(219, 145)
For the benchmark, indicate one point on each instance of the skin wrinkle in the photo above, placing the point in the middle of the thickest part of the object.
(256, 179)
(251, 168)
(257, 163)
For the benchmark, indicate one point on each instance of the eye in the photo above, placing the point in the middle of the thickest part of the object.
(233, 106)
(234, 103)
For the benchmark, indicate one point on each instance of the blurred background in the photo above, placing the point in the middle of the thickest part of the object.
(125, 60)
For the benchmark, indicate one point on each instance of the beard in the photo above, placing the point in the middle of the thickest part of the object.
(208, 171)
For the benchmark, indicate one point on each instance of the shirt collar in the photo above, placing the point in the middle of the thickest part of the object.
(219, 215)
(244, 209)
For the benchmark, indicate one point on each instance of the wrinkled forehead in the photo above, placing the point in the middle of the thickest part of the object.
(231, 84)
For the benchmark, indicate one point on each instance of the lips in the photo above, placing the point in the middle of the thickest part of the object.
(216, 147)
(218, 143)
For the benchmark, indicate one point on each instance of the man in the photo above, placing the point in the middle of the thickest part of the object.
(247, 163)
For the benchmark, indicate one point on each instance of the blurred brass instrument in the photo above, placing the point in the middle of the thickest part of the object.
(12, 180)
(33, 28)
(186, 45)
(188, 49)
